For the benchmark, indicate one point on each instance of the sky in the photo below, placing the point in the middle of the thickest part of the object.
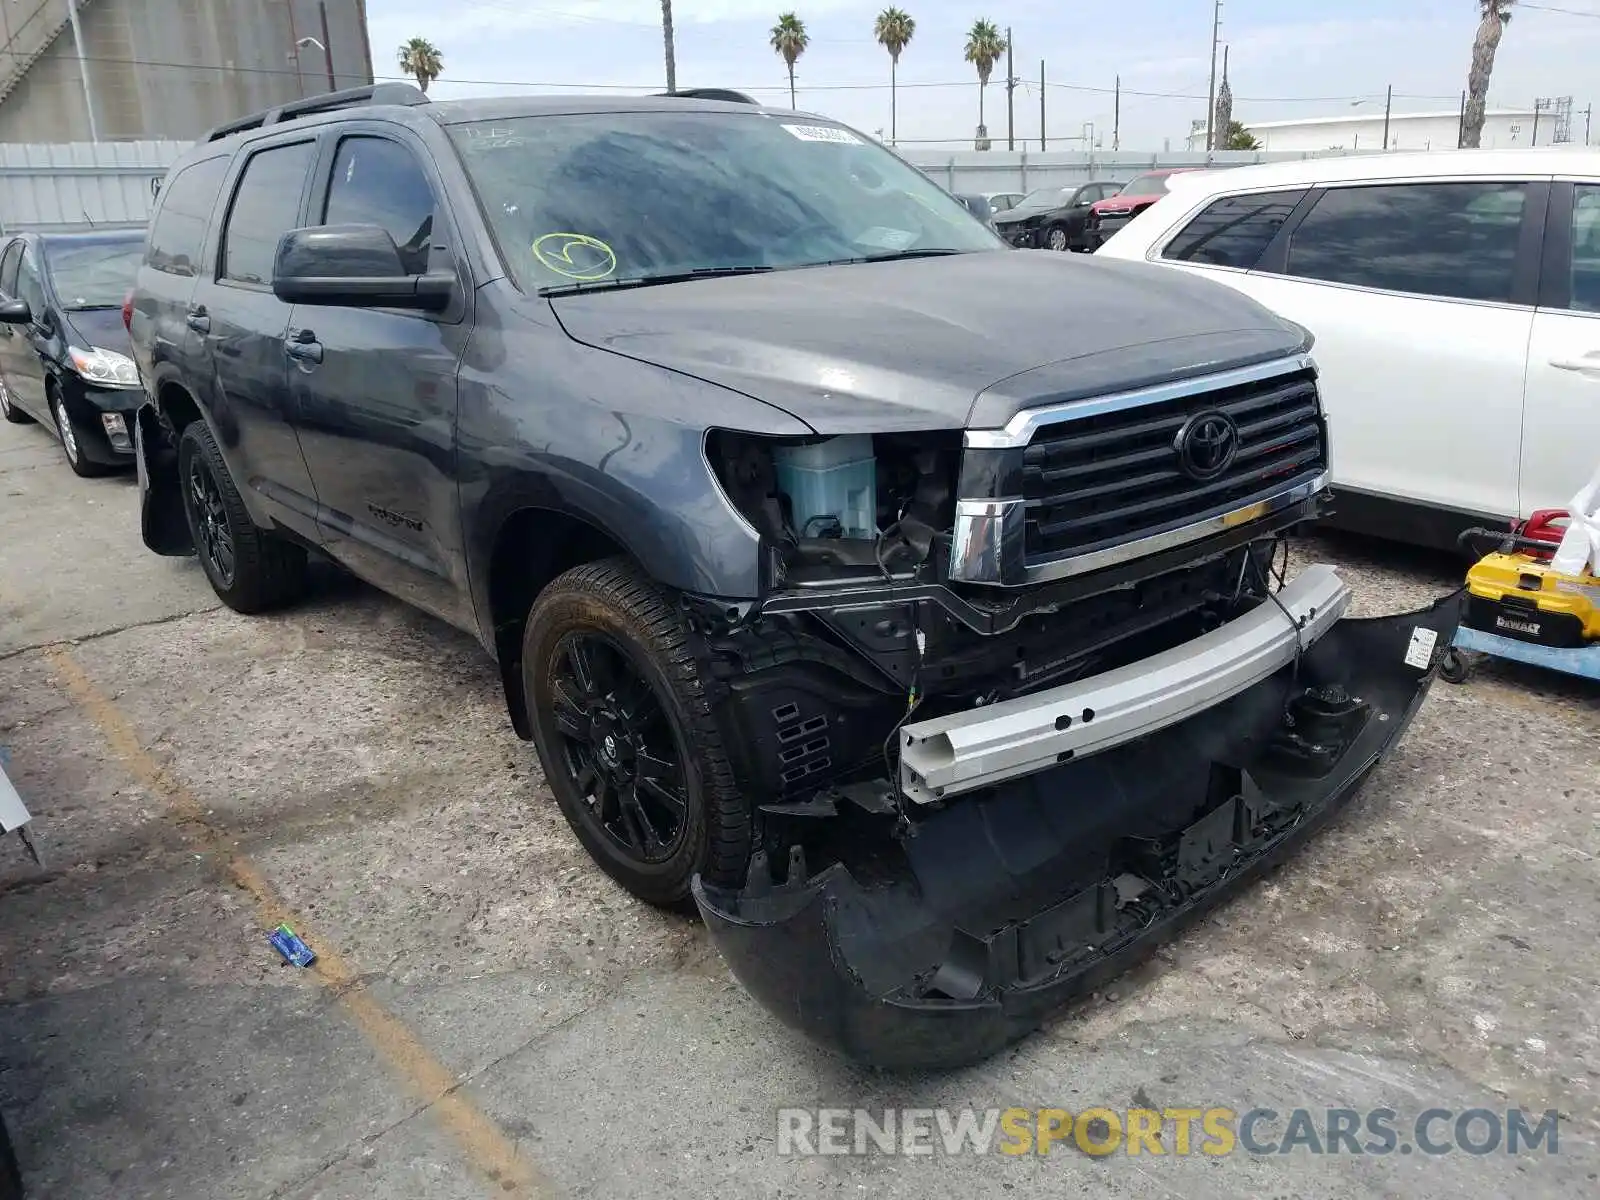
(1288, 59)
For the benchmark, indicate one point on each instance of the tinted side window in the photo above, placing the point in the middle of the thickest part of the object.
(179, 230)
(29, 286)
(265, 207)
(379, 182)
(1586, 248)
(8, 268)
(1435, 239)
(1234, 231)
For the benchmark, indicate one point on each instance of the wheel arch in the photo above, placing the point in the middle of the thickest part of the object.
(164, 415)
(531, 545)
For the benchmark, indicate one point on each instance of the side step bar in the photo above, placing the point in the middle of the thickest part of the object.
(963, 752)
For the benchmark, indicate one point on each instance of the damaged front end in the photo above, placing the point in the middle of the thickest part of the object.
(1029, 704)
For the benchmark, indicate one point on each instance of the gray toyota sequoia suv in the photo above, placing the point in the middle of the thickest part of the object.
(910, 602)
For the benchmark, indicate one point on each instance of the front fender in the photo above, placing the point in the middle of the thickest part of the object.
(162, 521)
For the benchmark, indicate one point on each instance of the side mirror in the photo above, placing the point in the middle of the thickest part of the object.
(15, 312)
(353, 265)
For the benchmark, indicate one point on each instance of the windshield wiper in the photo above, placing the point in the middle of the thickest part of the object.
(612, 285)
(891, 256)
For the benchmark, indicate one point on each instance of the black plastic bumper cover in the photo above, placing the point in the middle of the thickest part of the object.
(939, 948)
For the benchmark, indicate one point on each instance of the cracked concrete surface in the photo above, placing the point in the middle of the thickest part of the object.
(1434, 947)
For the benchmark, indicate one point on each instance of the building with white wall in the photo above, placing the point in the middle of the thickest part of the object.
(1503, 128)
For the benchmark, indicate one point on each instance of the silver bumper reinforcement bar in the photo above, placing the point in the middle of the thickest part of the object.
(949, 755)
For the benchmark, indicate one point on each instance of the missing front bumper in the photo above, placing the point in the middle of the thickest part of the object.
(939, 948)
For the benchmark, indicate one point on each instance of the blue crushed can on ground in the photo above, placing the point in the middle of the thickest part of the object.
(287, 943)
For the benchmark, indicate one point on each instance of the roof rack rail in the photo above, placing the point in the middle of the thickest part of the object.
(727, 94)
(377, 93)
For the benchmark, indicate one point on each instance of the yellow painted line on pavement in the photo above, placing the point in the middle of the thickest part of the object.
(485, 1144)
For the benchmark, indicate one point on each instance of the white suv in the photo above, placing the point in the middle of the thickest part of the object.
(1455, 299)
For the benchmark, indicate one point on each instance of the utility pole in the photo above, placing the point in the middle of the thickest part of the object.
(1587, 113)
(1388, 104)
(1211, 93)
(1011, 91)
(327, 44)
(1116, 117)
(1538, 107)
(1042, 146)
(83, 68)
(1461, 122)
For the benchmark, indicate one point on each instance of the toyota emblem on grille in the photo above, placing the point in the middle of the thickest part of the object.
(1206, 445)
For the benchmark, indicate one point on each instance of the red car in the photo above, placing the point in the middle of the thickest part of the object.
(1139, 193)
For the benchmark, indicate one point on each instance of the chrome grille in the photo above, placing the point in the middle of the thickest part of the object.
(1114, 477)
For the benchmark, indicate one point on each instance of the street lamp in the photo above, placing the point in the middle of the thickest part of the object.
(327, 58)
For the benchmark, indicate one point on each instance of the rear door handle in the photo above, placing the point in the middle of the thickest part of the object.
(199, 320)
(302, 346)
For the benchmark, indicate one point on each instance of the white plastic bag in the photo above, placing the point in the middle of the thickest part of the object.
(1579, 551)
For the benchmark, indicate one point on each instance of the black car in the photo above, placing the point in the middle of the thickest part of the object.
(1052, 218)
(905, 601)
(63, 348)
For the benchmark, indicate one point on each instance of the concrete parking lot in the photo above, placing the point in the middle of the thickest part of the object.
(491, 1016)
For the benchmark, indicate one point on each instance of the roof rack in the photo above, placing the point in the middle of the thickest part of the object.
(727, 94)
(377, 93)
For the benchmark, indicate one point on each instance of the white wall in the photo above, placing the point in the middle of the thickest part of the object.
(1502, 129)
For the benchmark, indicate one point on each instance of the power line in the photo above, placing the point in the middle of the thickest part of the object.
(1566, 12)
(775, 88)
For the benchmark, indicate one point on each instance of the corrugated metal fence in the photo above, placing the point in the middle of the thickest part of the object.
(78, 184)
(72, 185)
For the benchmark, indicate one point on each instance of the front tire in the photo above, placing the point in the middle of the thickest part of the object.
(251, 570)
(1055, 238)
(72, 441)
(629, 744)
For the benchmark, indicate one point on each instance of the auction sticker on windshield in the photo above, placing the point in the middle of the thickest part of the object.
(824, 133)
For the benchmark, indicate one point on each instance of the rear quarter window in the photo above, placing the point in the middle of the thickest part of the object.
(178, 230)
(1234, 231)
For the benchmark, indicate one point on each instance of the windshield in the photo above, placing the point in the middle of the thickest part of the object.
(1145, 185)
(612, 197)
(93, 274)
(1045, 198)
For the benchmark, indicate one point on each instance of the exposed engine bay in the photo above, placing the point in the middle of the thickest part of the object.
(862, 630)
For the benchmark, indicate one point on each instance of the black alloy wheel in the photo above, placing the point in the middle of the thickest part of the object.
(619, 749)
(213, 540)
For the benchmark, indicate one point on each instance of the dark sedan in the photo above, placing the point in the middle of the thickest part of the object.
(63, 348)
(1052, 218)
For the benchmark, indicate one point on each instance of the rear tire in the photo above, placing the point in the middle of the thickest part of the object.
(630, 747)
(9, 411)
(251, 570)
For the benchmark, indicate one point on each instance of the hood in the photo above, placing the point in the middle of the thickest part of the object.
(911, 345)
(100, 327)
(1117, 204)
(1011, 216)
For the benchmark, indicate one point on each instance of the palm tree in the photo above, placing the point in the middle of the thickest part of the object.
(893, 30)
(790, 39)
(672, 51)
(421, 58)
(984, 48)
(1496, 16)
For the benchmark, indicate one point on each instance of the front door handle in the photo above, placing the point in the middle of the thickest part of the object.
(199, 320)
(302, 346)
(1583, 364)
